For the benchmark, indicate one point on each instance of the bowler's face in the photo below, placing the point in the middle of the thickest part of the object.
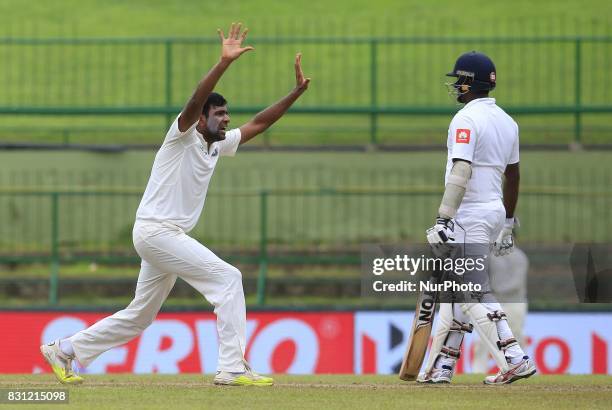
(217, 122)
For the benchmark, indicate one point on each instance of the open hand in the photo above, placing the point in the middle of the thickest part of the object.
(232, 45)
(301, 83)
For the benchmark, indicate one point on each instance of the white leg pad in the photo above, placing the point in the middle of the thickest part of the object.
(445, 319)
(487, 330)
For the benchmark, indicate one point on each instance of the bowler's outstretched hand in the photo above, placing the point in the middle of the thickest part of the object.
(301, 83)
(232, 44)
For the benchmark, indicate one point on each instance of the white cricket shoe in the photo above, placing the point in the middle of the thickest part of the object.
(437, 376)
(60, 363)
(246, 378)
(522, 370)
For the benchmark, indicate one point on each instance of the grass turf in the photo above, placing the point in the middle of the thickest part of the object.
(192, 17)
(324, 391)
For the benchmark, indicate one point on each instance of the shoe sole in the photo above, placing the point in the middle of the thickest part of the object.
(243, 384)
(513, 379)
(433, 382)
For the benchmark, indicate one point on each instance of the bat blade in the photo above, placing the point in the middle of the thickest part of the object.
(419, 336)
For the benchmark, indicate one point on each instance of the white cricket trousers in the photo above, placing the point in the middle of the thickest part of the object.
(167, 253)
(478, 226)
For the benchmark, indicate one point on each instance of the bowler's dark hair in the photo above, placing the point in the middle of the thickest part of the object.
(213, 100)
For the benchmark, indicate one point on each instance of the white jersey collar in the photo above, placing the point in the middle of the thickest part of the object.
(486, 100)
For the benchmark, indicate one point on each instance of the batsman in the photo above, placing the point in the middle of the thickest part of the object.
(477, 210)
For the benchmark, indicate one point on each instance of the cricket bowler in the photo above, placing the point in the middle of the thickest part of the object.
(169, 210)
(477, 209)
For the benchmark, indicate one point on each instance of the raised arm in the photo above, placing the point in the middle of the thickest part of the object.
(231, 49)
(260, 122)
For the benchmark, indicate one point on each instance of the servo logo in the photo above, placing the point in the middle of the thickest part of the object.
(462, 136)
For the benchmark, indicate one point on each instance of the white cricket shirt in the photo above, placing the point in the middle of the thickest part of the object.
(181, 172)
(485, 135)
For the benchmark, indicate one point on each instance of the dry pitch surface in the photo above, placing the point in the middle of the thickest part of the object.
(128, 391)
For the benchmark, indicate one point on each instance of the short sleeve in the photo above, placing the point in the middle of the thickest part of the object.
(514, 156)
(174, 133)
(462, 138)
(229, 145)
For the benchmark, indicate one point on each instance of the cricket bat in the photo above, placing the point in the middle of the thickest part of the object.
(421, 330)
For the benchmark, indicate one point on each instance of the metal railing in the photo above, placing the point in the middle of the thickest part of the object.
(133, 80)
(279, 226)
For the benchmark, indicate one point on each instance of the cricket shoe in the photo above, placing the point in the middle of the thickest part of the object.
(60, 363)
(522, 370)
(246, 378)
(437, 376)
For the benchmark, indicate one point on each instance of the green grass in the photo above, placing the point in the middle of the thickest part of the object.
(132, 75)
(191, 17)
(323, 391)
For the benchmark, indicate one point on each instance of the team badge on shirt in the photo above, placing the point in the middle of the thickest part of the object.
(462, 136)
(215, 152)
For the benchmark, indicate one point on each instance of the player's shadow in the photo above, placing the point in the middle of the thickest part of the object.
(592, 277)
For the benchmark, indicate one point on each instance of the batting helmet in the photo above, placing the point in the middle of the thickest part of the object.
(475, 70)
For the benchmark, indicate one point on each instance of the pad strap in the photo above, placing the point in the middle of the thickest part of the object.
(450, 352)
(458, 326)
(503, 345)
(496, 316)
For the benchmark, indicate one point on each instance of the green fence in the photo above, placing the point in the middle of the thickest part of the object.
(364, 89)
(325, 221)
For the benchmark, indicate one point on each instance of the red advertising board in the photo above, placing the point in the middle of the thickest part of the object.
(187, 342)
(297, 343)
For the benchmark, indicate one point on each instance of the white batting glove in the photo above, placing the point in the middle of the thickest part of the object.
(504, 244)
(441, 235)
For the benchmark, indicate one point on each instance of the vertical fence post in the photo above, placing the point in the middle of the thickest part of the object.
(266, 137)
(577, 91)
(66, 136)
(373, 91)
(168, 47)
(54, 278)
(263, 248)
